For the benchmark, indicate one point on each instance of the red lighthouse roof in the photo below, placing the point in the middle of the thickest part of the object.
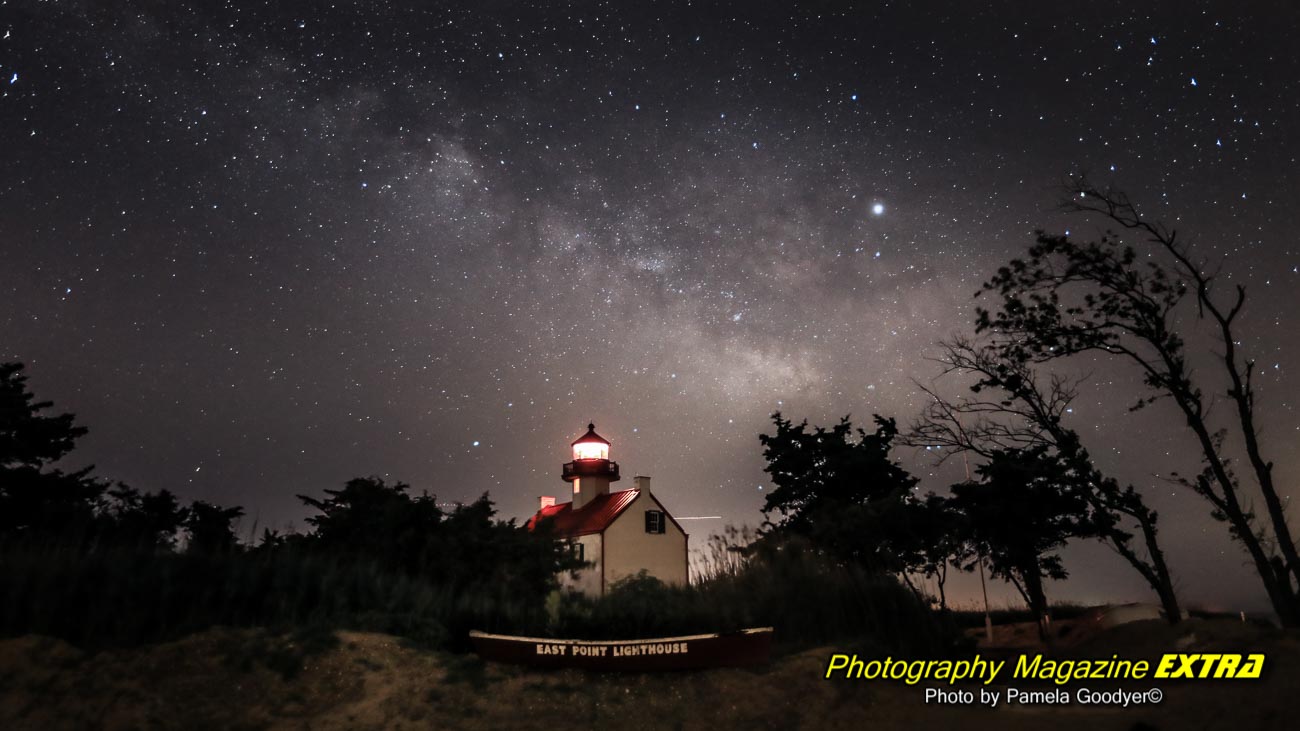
(591, 437)
(594, 517)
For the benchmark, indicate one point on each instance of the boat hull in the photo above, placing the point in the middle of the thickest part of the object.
(690, 652)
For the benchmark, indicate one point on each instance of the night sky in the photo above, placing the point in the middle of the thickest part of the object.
(263, 248)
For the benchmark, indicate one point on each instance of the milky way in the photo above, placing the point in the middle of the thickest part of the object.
(260, 249)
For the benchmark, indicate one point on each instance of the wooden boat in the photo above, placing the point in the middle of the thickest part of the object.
(721, 649)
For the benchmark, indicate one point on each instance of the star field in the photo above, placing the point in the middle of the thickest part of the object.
(261, 248)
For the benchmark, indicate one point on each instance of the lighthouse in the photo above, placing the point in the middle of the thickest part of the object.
(617, 535)
(591, 470)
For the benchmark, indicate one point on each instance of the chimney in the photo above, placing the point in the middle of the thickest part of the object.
(642, 483)
(545, 501)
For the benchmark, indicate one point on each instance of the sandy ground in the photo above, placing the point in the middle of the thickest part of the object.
(228, 679)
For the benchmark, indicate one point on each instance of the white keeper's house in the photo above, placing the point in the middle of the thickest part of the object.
(618, 533)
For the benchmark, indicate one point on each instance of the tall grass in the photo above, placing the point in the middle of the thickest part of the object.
(120, 597)
(808, 599)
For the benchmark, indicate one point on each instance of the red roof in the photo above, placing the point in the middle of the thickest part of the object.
(591, 437)
(594, 517)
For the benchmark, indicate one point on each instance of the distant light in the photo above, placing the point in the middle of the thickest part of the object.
(854, 97)
(476, 443)
(878, 209)
(1193, 81)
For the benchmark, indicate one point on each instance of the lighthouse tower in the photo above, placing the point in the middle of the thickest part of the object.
(591, 470)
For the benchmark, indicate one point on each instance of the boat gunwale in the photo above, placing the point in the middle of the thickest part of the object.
(654, 640)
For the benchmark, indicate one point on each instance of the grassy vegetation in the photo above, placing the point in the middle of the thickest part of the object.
(810, 601)
(124, 598)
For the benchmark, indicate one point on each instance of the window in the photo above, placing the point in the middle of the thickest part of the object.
(578, 550)
(655, 521)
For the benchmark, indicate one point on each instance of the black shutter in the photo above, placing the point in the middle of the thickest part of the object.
(654, 521)
(663, 521)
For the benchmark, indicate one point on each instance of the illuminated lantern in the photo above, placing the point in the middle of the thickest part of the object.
(591, 445)
(591, 470)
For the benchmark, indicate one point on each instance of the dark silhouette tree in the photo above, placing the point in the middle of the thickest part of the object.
(839, 490)
(1024, 507)
(1012, 407)
(503, 554)
(38, 500)
(1068, 297)
(210, 529)
(374, 521)
(145, 521)
(932, 537)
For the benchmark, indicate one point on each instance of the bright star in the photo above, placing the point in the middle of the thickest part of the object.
(878, 209)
